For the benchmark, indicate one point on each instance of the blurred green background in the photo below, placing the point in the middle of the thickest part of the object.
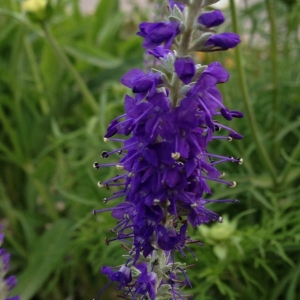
(60, 87)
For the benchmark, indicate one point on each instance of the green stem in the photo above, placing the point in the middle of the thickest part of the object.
(273, 55)
(65, 60)
(265, 158)
(192, 13)
(37, 76)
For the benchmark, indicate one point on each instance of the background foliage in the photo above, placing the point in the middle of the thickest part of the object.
(59, 88)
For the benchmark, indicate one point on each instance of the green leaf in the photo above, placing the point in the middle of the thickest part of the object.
(47, 255)
(93, 57)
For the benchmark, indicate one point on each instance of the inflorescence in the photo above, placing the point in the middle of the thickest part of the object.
(6, 284)
(171, 117)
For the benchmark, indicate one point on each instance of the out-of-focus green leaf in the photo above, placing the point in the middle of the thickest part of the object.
(48, 253)
(93, 57)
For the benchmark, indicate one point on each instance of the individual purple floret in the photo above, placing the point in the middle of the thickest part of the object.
(6, 284)
(185, 69)
(211, 19)
(155, 34)
(165, 168)
(222, 41)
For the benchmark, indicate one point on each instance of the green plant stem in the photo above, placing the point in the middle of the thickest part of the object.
(37, 77)
(274, 63)
(65, 60)
(265, 158)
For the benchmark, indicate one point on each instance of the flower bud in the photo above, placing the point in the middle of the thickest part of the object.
(37, 10)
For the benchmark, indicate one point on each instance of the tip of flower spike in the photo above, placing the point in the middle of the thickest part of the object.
(240, 161)
(233, 184)
(96, 165)
(120, 167)
(175, 155)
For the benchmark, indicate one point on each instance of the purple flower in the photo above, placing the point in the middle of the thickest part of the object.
(185, 69)
(146, 282)
(6, 284)
(123, 276)
(155, 34)
(159, 52)
(211, 19)
(141, 83)
(222, 41)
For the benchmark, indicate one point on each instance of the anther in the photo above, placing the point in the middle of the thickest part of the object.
(107, 187)
(130, 174)
(236, 201)
(233, 185)
(105, 140)
(119, 167)
(229, 139)
(126, 216)
(240, 161)
(120, 152)
(193, 205)
(231, 158)
(156, 201)
(104, 154)
(221, 175)
(96, 165)
(217, 128)
(106, 241)
(175, 155)
(180, 163)
(100, 185)
(94, 211)
(104, 200)
(220, 220)
(113, 230)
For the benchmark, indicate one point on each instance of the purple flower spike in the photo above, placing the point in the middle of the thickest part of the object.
(211, 19)
(165, 166)
(185, 69)
(156, 34)
(223, 41)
